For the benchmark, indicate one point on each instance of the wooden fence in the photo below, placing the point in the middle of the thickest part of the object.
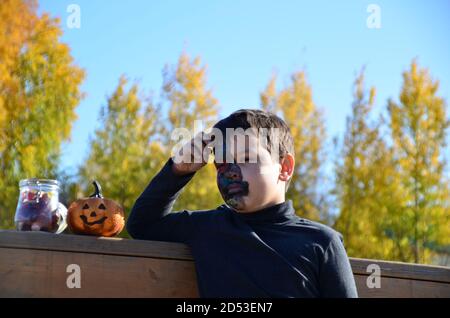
(35, 264)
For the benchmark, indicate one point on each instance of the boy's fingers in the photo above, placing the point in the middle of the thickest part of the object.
(192, 153)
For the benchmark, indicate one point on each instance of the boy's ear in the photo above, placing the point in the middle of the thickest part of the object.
(287, 167)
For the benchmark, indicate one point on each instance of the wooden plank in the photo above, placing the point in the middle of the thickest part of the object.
(95, 245)
(39, 273)
(117, 267)
(403, 270)
(402, 288)
(118, 246)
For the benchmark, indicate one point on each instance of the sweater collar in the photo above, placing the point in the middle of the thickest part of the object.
(275, 213)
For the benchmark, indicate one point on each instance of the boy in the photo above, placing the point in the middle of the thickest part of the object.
(254, 245)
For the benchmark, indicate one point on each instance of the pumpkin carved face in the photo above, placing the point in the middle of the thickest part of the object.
(96, 215)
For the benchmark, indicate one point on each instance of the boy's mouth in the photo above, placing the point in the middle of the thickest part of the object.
(236, 188)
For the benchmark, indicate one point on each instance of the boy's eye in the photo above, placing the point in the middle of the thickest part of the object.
(246, 159)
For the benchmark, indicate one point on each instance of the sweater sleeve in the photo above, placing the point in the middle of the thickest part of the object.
(151, 217)
(336, 276)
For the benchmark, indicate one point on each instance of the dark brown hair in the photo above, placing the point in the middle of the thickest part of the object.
(256, 118)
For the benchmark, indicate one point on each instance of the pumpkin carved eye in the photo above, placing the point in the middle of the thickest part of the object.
(85, 207)
(102, 207)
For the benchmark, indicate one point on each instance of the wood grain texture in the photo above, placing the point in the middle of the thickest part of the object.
(403, 270)
(33, 264)
(402, 288)
(95, 245)
(39, 273)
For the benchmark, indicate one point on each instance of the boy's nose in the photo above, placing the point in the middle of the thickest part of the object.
(231, 175)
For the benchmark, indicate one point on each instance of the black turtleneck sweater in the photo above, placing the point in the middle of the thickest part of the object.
(268, 253)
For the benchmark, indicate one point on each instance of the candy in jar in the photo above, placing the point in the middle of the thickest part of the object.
(38, 208)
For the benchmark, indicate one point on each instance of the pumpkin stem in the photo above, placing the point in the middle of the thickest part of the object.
(98, 190)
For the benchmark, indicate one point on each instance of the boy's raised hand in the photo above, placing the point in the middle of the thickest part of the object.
(192, 156)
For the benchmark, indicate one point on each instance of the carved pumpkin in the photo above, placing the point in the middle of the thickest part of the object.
(95, 215)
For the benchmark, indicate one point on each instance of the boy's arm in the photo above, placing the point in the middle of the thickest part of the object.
(336, 276)
(150, 217)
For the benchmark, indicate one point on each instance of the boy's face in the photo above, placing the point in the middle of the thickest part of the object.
(250, 181)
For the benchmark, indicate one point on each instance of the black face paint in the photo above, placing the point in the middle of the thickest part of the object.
(231, 185)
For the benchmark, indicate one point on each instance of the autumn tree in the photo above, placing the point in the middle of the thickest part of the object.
(188, 99)
(39, 91)
(124, 151)
(418, 125)
(295, 104)
(365, 181)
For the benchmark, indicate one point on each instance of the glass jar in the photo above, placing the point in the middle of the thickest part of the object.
(39, 208)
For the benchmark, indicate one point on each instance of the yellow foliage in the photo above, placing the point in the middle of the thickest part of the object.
(189, 100)
(39, 91)
(295, 105)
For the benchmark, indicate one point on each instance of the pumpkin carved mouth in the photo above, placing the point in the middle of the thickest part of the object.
(85, 221)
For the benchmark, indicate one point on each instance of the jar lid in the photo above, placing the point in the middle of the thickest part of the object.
(38, 182)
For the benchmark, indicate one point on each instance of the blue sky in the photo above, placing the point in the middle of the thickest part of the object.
(244, 42)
